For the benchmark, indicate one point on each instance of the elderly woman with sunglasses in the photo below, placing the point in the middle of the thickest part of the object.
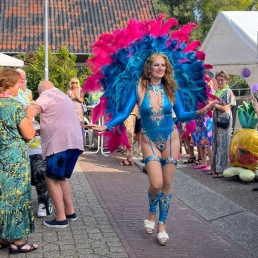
(75, 94)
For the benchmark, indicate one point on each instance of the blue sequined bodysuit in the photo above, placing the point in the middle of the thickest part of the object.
(157, 125)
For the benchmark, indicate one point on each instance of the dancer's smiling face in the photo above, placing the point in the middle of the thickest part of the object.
(158, 68)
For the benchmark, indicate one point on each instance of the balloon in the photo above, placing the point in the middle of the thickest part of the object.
(255, 87)
(246, 72)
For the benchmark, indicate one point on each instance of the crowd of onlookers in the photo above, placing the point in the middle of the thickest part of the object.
(43, 153)
(207, 135)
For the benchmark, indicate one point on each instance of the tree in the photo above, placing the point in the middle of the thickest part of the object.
(212, 7)
(182, 10)
(202, 12)
(61, 68)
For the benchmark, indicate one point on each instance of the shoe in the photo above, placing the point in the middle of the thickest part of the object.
(41, 211)
(162, 238)
(93, 148)
(206, 169)
(198, 162)
(56, 224)
(200, 166)
(190, 160)
(127, 163)
(149, 226)
(72, 217)
(217, 175)
(19, 249)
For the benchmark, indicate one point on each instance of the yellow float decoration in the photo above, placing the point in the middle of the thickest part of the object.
(243, 150)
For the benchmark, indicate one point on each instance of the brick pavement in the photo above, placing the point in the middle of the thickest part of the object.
(122, 192)
(111, 202)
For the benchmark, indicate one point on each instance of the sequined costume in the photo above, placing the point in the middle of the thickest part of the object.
(156, 125)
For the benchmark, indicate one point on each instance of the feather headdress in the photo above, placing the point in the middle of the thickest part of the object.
(118, 61)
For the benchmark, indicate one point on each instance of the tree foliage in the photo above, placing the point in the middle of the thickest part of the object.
(62, 67)
(212, 7)
(202, 12)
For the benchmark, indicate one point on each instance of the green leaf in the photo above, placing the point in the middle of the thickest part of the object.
(245, 107)
(242, 117)
(250, 120)
(253, 123)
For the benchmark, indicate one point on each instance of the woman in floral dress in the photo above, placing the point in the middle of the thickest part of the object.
(16, 212)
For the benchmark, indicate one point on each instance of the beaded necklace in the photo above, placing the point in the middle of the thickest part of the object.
(220, 92)
(155, 88)
(156, 116)
(5, 94)
(34, 143)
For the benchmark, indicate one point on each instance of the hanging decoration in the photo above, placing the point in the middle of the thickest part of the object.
(255, 87)
(246, 72)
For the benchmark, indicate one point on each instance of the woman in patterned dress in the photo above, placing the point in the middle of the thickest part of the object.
(221, 136)
(16, 212)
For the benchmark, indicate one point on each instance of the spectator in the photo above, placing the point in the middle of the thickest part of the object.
(221, 136)
(16, 219)
(38, 166)
(38, 174)
(185, 130)
(93, 100)
(62, 144)
(202, 139)
(25, 94)
(129, 125)
(75, 94)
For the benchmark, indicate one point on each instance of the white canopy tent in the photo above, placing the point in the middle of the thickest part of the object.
(6, 60)
(231, 44)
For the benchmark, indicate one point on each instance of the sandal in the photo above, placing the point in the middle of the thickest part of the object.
(198, 162)
(190, 160)
(200, 166)
(130, 162)
(217, 175)
(162, 238)
(207, 169)
(19, 249)
(127, 162)
(149, 226)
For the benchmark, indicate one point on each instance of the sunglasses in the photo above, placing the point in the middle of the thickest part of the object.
(74, 82)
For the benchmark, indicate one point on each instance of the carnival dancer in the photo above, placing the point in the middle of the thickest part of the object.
(153, 87)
